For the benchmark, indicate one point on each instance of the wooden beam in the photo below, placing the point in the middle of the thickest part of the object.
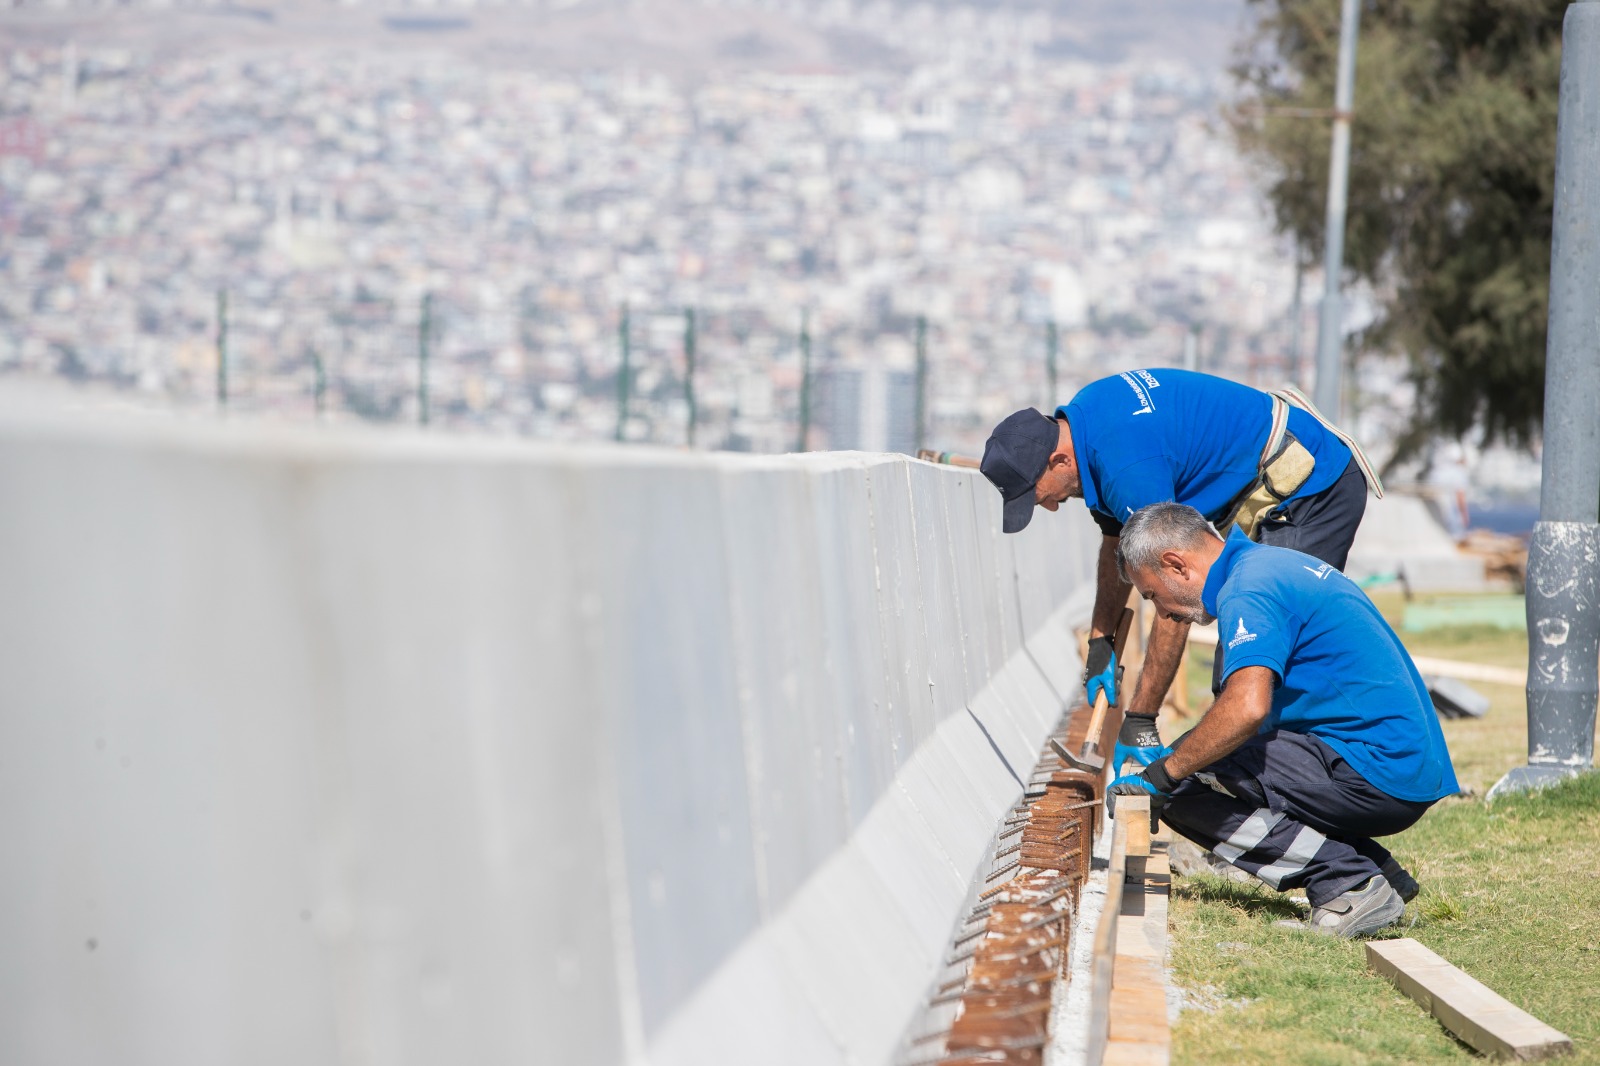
(1139, 1034)
(1513, 676)
(1473, 1012)
(1103, 959)
(1128, 975)
(1134, 812)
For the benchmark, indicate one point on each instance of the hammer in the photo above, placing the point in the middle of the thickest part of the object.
(1090, 759)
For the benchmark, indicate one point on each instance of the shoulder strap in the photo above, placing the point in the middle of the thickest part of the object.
(1291, 394)
(1280, 426)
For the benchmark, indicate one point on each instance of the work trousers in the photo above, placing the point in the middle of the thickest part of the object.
(1287, 808)
(1323, 525)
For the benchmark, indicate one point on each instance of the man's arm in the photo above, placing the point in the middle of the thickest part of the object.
(1161, 660)
(1167, 637)
(1245, 702)
(1110, 591)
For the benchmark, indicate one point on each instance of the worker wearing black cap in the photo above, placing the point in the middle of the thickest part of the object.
(1268, 463)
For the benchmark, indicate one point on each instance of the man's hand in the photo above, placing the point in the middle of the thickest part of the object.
(1138, 741)
(1102, 670)
(1153, 781)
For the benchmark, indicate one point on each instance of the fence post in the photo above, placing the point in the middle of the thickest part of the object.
(424, 331)
(688, 369)
(623, 384)
(222, 348)
(805, 379)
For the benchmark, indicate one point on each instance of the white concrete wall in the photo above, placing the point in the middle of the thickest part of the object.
(325, 749)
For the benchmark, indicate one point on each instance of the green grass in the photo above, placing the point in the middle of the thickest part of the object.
(1511, 894)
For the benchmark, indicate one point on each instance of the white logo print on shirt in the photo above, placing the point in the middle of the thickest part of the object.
(1241, 635)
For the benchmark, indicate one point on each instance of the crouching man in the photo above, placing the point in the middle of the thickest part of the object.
(1323, 737)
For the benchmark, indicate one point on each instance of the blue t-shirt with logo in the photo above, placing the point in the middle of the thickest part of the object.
(1147, 436)
(1343, 675)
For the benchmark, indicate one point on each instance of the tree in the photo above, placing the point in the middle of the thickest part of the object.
(1452, 170)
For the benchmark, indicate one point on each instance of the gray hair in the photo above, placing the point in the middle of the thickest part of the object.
(1160, 527)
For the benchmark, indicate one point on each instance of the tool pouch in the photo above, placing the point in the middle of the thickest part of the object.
(1281, 477)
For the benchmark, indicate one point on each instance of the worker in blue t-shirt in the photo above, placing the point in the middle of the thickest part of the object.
(1267, 463)
(1324, 735)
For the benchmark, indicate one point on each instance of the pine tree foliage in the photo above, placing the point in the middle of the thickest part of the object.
(1452, 169)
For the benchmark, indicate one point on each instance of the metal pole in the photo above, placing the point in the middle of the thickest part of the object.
(688, 369)
(424, 331)
(1564, 552)
(1328, 332)
(1052, 345)
(1296, 314)
(805, 380)
(222, 348)
(1191, 349)
(319, 382)
(623, 384)
(922, 385)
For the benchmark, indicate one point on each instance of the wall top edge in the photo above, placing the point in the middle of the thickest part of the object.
(50, 415)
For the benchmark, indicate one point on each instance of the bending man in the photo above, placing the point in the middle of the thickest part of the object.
(1237, 455)
(1324, 735)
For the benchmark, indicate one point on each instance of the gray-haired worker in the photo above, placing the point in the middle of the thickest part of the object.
(1324, 735)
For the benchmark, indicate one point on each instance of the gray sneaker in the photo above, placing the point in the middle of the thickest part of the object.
(1361, 911)
(1402, 882)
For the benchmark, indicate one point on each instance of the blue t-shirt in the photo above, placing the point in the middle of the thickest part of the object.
(1343, 675)
(1147, 436)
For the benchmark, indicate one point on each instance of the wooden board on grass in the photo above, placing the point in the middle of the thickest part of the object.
(1473, 1012)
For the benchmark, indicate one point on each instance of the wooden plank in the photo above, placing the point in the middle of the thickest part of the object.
(1515, 677)
(1473, 1012)
(1134, 813)
(1105, 949)
(1135, 810)
(1139, 1033)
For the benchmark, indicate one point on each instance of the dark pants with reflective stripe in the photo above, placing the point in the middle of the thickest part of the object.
(1287, 808)
(1323, 525)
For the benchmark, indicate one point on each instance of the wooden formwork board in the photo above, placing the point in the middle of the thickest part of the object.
(1475, 1013)
(1128, 999)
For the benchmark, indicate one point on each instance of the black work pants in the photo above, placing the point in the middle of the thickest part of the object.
(1287, 808)
(1323, 525)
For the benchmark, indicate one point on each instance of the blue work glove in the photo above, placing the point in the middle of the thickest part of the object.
(1152, 781)
(1102, 670)
(1138, 741)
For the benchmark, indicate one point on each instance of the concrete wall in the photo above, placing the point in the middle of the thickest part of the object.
(351, 749)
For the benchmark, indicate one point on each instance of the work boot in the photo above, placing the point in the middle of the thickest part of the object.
(1403, 883)
(1361, 911)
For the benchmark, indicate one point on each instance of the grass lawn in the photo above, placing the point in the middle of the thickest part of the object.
(1511, 894)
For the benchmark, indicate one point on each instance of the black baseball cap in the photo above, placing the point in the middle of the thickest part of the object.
(1018, 451)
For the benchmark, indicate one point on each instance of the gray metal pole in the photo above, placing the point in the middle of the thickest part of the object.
(1051, 348)
(805, 380)
(921, 429)
(1296, 315)
(1329, 338)
(1564, 552)
(424, 332)
(319, 382)
(688, 371)
(222, 349)
(624, 372)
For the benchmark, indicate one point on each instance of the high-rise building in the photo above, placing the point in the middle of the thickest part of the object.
(868, 408)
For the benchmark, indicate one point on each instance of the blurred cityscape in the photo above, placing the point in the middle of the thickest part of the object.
(976, 177)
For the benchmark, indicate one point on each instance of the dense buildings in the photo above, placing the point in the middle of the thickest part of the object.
(994, 187)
